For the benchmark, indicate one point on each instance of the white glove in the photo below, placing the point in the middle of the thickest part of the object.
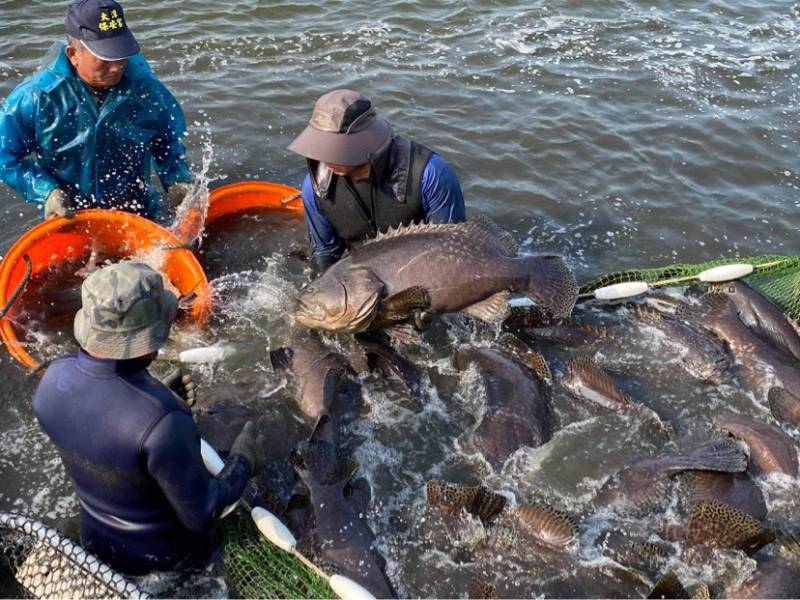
(57, 205)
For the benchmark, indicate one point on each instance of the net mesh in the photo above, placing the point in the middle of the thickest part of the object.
(254, 568)
(775, 276)
(45, 564)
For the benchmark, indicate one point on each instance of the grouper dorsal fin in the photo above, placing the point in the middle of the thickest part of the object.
(481, 590)
(478, 229)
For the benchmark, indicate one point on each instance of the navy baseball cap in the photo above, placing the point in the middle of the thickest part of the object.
(101, 26)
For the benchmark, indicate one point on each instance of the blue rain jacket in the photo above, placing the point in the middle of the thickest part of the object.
(132, 451)
(52, 134)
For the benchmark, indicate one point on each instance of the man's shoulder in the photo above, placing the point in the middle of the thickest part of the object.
(38, 84)
(142, 75)
(158, 396)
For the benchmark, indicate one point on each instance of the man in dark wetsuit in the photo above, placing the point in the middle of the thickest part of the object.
(129, 443)
(363, 179)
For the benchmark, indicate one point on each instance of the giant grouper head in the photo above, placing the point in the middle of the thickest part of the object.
(343, 299)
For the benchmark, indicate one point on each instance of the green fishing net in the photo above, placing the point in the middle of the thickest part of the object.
(775, 276)
(254, 568)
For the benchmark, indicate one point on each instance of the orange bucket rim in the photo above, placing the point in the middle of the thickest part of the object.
(42, 230)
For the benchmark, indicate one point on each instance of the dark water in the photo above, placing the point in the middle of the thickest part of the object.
(618, 133)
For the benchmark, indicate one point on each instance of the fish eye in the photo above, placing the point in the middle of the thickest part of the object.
(731, 289)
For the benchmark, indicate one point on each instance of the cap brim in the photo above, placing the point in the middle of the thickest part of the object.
(115, 48)
(349, 149)
(129, 344)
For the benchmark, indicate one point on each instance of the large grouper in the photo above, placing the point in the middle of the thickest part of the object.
(469, 267)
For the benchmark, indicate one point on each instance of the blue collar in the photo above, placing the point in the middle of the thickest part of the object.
(108, 367)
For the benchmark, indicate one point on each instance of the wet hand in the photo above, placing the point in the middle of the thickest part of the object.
(58, 205)
(177, 192)
(250, 445)
(180, 382)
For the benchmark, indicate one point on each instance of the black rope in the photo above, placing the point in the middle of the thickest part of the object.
(25, 278)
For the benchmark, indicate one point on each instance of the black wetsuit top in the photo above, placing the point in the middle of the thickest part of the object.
(132, 451)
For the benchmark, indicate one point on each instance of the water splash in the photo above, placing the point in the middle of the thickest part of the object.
(190, 217)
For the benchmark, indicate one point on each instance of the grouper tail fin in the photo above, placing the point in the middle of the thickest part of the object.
(724, 456)
(551, 284)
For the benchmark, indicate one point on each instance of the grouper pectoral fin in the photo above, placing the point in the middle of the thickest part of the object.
(547, 525)
(492, 310)
(453, 497)
(404, 334)
(404, 304)
(718, 524)
(551, 284)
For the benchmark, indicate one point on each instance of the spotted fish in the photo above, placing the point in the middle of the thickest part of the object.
(761, 316)
(642, 486)
(771, 450)
(761, 364)
(704, 356)
(587, 381)
(718, 524)
(776, 576)
(736, 489)
(433, 268)
(518, 409)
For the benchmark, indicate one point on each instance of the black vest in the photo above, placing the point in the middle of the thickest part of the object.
(392, 196)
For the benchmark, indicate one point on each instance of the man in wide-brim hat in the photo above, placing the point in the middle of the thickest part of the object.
(127, 440)
(363, 179)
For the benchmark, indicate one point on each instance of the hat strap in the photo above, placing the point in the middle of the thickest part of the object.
(367, 113)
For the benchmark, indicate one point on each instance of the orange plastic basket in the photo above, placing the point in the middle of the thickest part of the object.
(236, 197)
(113, 233)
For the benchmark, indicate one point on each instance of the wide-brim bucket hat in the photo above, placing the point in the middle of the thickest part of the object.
(344, 130)
(126, 312)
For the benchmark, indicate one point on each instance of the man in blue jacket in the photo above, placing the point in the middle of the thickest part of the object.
(129, 443)
(363, 179)
(84, 131)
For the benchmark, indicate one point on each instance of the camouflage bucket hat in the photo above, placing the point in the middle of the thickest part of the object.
(126, 311)
(344, 130)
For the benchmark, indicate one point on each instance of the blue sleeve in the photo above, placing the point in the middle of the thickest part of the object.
(442, 199)
(18, 165)
(169, 151)
(173, 459)
(322, 235)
